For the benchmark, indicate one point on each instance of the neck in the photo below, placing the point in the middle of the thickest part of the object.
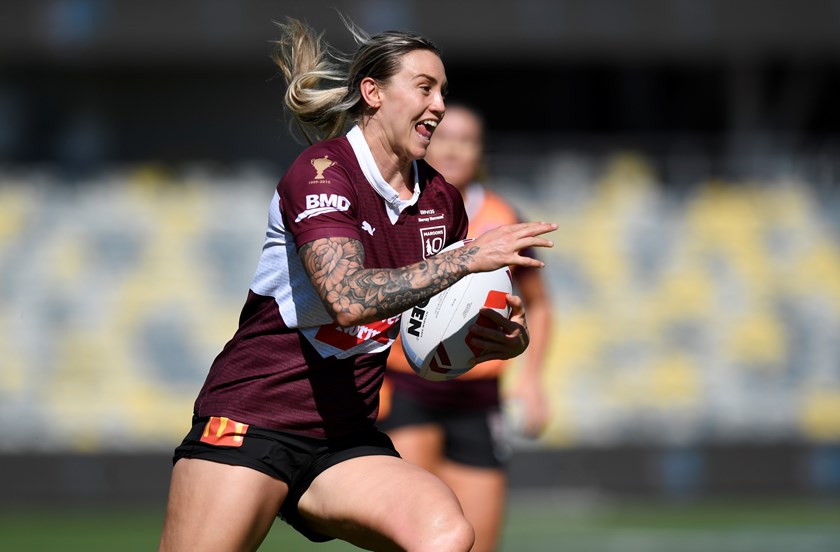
(395, 170)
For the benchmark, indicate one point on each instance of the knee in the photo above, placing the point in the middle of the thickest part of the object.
(456, 534)
(463, 538)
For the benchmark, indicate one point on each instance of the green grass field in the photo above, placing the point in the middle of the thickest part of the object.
(533, 525)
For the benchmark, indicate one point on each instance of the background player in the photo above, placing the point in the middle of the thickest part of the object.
(285, 420)
(452, 428)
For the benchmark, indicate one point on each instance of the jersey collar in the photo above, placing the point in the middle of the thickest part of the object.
(393, 204)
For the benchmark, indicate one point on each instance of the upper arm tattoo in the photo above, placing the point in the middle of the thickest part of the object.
(336, 269)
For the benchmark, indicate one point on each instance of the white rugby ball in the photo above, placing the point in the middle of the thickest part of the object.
(435, 334)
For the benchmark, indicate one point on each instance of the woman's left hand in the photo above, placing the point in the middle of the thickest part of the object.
(528, 394)
(501, 338)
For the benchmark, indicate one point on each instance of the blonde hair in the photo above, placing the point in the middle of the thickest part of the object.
(308, 62)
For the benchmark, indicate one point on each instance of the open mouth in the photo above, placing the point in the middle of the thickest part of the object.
(425, 129)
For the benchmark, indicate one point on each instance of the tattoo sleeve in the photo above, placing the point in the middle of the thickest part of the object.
(352, 292)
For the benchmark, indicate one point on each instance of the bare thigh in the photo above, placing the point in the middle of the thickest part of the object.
(420, 444)
(385, 503)
(481, 492)
(218, 507)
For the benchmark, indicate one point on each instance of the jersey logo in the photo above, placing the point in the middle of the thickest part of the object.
(367, 227)
(224, 432)
(318, 204)
(346, 338)
(432, 239)
(320, 165)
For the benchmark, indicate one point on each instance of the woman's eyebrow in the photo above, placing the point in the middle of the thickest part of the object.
(444, 87)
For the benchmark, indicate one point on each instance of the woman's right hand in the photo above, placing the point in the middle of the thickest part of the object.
(501, 246)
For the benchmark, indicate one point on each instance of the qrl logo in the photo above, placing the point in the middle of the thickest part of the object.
(433, 239)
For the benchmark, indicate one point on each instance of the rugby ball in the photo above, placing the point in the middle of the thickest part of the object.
(435, 334)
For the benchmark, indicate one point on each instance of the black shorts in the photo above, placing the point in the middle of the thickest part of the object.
(295, 459)
(471, 437)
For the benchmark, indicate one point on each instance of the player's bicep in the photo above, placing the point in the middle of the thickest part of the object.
(329, 262)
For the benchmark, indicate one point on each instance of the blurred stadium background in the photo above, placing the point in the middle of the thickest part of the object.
(690, 152)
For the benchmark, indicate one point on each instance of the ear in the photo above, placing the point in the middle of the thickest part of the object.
(370, 92)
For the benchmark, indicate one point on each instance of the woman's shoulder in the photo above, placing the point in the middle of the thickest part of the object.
(499, 205)
(322, 162)
(495, 200)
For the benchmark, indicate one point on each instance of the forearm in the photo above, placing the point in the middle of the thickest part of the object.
(539, 328)
(539, 313)
(355, 295)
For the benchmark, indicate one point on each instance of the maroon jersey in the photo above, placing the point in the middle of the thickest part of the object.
(289, 366)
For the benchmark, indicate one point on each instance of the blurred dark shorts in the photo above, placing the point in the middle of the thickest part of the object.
(471, 437)
(295, 459)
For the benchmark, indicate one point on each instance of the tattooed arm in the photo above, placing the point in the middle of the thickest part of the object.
(355, 295)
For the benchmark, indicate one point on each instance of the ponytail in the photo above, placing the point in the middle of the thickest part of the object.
(306, 61)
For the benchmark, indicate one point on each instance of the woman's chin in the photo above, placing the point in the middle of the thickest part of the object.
(418, 152)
